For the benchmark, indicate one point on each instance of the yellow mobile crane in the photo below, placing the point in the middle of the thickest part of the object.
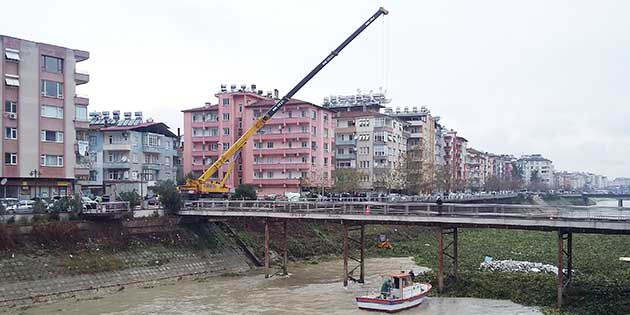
(204, 186)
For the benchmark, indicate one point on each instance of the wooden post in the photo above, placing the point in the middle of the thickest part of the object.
(559, 280)
(440, 260)
(362, 275)
(620, 203)
(285, 254)
(345, 255)
(455, 253)
(267, 249)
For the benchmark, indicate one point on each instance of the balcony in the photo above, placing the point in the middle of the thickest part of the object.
(297, 135)
(81, 124)
(81, 55)
(346, 156)
(116, 165)
(276, 181)
(152, 166)
(81, 77)
(116, 147)
(282, 151)
(82, 170)
(81, 99)
(345, 142)
(151, 149)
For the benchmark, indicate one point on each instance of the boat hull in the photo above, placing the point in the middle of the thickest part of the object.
(389, 306)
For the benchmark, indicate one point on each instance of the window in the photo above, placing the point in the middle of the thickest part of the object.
(314, 131)
(10, 158)
(303, 129)
(135, 158)
(81, 113)
(303, 159)
(340, 151)
(290, 114)
(304, 144)
(226, 131)
(11, 80)
(52, 160)
(92, 140)
(226, 146)
(304, 175)
(258, 145)
(325, 161)
(270, 145)
(240, 108)
(258, 174)
(153, 140)
(212, 117)
(52, 89)
(303, 113)
(313, 115)
(269, 174)
(52, 111)
(12, 54)
(214, 147)
(313, 145)
(325, 132)
(10, 107)
(52, 64)
(52, 136)
(197, 118)
(167, 161)
(10, 133)
(226, 116)
(93, 176)
(226, 101)
(325, 147)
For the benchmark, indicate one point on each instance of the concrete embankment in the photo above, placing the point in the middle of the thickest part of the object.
(84, 260)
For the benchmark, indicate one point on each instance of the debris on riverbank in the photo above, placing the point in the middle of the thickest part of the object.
(517, 266)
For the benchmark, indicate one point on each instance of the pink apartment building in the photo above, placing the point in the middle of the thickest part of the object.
(294, 148)
(44, 122)
(455, 148)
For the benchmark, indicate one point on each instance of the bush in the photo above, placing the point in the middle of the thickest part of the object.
(40, 218)
(11, 220)
(62, 234)
(247, 192)
(132, 197)
(23, 220)
(168, 195)
(39, 207)
(6, 241)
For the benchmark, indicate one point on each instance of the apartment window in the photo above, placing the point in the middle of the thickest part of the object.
(240, 108)
(226, 101)
(214, 147)
(135, 158)
(153, 140)
(92, 140)
(214, 132)
(325, 147)
(304, 144)
(10, 158)
(52, 89)
(226, 146)
(314, 131)
(303, 113)
(226, 131)
(325, 132)
(313, 115)
(52, 111)
(10, 133)
(258, 159)
(313, 145)
(11, 80)
(325, 161)
(52, 64)
(269, 174)
(313, 160)
(167, 161)
(258, 145)
(325, 118)
(258, 174)
(92, 177)
(226, 116)
(10, 107)
(52, 160)
(212, 117)
(303, 129)
(304, 174)
(269, 145)
(290, 114)
(304, 159)
(81, 113)
(12, 54)
(340, 151)
(197, 118)
(52, 136)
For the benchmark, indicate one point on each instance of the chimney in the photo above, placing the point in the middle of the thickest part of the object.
(276, 94)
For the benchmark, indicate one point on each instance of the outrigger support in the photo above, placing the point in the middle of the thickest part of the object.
(285, 250)
(347, 255)
(443, 251)
(565, 274)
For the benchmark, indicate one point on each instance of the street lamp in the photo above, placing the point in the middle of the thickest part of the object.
(37, 174)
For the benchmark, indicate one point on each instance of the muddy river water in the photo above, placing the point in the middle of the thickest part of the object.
(310, 289)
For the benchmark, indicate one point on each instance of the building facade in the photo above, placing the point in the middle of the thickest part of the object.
(476, 169)
(44, 119)
(536, 164)
(455, 148)
(128, 154)
(293, 150)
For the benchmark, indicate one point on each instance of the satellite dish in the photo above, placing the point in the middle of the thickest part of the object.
(123, 159)
(3, 181)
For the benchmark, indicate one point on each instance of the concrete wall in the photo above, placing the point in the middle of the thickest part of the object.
(28, 109)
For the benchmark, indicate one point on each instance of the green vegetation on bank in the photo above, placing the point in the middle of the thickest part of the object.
(601, 284)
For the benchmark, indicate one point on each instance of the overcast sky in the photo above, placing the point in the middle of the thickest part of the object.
(518, 77)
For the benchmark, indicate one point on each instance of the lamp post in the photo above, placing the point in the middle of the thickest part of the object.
(36, 174)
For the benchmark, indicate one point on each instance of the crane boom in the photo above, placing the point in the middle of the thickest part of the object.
(202, 184)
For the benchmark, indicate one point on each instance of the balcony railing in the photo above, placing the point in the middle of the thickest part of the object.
(346, 156)
(345, 142)
(81, 77)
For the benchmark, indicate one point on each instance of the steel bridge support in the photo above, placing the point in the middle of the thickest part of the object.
(348, 274)
(444, 244)
(565, 274)
(285, 250)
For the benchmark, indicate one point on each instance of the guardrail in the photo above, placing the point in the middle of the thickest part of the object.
(104, 208)
(403, 199)
(416, 209)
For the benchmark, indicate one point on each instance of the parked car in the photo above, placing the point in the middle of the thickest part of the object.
(88, 203)
(6, 202)
(23, 206)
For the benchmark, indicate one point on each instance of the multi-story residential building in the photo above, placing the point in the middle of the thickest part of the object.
(44, 119)
(365, 139)
(128, 154)
(476, 164)
(294, 149)
(536, 163)
(579, 181)
(455, 159)
(421, 126)
(439, 143)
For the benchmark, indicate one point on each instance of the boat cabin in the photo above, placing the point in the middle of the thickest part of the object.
(398, 286)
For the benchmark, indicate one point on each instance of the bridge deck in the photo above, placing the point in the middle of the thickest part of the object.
(612, 220)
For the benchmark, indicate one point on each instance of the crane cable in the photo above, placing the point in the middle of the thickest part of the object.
(384, 54)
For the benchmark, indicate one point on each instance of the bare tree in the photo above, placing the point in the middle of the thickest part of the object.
(346, 180)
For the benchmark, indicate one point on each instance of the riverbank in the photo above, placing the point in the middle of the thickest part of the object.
(599, 287)
(58, 260)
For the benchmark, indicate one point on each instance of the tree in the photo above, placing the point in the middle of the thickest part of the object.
(132, 197)
(346, 180)
(444, 178)
(168, 195)
(247, 192)
(188, 176)
(493, 183)
(536, 182)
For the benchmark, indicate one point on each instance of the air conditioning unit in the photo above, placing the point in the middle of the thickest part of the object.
(12, 116)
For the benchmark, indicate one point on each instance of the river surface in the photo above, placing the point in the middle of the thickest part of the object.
(310, 289)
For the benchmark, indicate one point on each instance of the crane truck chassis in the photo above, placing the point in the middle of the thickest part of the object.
(204, 186)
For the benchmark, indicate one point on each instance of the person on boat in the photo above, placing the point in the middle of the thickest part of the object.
(413, 275)
(386, 288)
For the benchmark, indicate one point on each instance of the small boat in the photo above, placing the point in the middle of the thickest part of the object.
(398, 292)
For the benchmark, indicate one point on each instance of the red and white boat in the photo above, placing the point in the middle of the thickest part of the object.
(398, 292)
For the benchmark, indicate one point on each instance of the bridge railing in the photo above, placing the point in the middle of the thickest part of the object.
(415, 209)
